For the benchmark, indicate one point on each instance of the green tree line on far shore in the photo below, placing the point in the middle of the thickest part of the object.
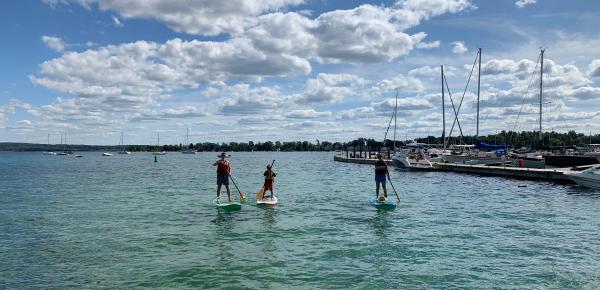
(513, 139)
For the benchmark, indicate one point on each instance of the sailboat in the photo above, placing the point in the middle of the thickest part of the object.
(48, 152)
(158, 145)
(187, 141)
(64, 152)
(123, 151)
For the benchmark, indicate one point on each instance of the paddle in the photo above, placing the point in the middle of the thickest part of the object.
(394, 189)
(242, 197)
(261, 194)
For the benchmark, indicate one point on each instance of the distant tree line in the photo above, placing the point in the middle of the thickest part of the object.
(514, 139)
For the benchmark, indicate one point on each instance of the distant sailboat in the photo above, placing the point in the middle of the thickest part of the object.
(64, 152)
(158, 145)
(187, 142)
(48, 152)
(123, 151)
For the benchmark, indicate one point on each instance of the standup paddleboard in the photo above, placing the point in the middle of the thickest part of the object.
(388, 203)
(267, 201)
(230, 205)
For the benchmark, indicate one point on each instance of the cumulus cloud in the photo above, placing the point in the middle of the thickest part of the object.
(428, 45)
(459, 47)
(356, 113)
(399, 82)
(594, 68)
(523, 3)
(54, 43)
(202, 17)
(242, 99)
(184, 112)
(307, 114)
(331, 88)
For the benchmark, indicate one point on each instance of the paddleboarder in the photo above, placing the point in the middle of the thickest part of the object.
(381, 172)
(269, 180)
(223, 172)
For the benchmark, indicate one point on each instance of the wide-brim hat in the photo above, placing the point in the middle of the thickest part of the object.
(223, 154)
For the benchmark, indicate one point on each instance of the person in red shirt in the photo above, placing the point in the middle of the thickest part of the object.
(223, 172)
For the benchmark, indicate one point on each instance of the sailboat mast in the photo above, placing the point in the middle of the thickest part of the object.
(541, 91)
(478, 89)
(395, 118)
(443, 109)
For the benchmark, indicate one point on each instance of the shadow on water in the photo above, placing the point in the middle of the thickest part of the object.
(225, 219)
(381, 223)
(268, 215)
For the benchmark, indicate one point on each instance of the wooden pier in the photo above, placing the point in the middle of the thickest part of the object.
(549, 174)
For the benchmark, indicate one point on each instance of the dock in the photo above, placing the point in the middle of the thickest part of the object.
(549, 174)
(357, 160)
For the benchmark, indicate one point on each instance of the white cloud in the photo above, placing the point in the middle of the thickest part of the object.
(523, 3)
(201, 17)
(117, 22)
(356, 113)
(399, 82)
(428, 45)
(307, 114)
(184, 112)
(594, 68)
(243, 100)
(54, 43)
(459, 47)
(331, 88)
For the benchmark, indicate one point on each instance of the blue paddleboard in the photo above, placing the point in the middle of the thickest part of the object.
(388, 203)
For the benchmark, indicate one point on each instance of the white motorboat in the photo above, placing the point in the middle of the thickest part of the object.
(410, 158)
(588, 178)
(107, 154)
(160, 153)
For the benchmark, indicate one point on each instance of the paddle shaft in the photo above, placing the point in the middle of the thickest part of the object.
(236, 187)
(394, 188)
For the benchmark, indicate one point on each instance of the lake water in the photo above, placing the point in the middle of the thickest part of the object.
(128, 222)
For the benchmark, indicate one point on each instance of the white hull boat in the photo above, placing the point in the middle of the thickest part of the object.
(587, 178)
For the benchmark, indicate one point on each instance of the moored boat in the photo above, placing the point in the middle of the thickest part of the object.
(587, 178)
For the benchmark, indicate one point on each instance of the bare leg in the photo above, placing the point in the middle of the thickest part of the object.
(384, 189)
(377, 189)
(228, 192)
(218, 191)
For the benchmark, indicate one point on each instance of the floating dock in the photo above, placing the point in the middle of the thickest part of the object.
(550, 174)
(370, 161)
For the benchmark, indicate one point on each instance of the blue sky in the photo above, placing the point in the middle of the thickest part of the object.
(289, 69)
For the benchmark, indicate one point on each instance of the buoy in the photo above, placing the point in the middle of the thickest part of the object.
(155, 159)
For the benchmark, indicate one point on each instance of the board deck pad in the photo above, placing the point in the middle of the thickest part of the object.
(388, 203)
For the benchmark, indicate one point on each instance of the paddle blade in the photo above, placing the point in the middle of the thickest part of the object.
(261, 194)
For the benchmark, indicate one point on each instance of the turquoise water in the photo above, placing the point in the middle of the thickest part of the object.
(128, 222)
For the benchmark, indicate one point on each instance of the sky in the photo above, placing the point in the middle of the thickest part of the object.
(284, 70)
